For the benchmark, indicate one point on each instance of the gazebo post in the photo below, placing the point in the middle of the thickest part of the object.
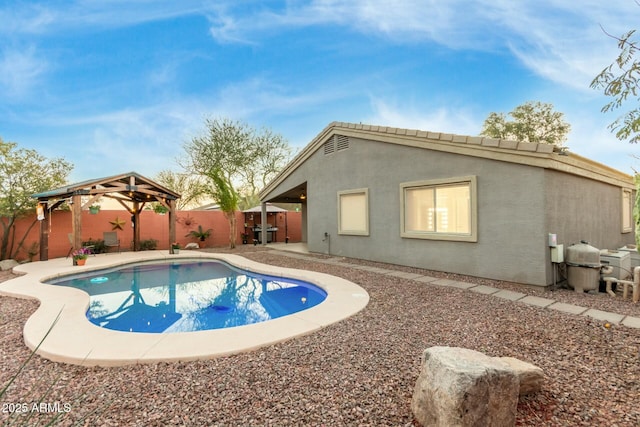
(44, 235)
(76, 220)
(263, 226)
(172, 223)
(136, 226)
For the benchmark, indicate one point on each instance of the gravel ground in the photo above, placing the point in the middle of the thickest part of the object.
(360, 371)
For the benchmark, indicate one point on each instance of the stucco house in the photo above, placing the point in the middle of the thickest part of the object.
(471, 205)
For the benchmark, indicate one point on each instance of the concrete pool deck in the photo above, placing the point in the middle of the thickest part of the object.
(74, 339)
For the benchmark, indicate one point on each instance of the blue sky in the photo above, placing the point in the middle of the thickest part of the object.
(118, 86)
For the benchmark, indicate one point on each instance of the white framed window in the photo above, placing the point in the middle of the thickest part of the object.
(627, 210)
(439, 209)
(353, 212)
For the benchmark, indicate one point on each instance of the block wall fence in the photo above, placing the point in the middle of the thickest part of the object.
(152, 226)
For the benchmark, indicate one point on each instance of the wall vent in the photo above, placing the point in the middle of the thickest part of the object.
(342, 142)
(329, 147)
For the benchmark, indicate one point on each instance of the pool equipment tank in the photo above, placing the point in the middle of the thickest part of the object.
(583, 267)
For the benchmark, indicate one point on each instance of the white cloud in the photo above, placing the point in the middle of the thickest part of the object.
(559, 40)
(25, 18)
(591, 138)
(588, 137)
(443, 119)
(20, 70)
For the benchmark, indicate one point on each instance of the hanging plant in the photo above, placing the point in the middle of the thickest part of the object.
(160, 208)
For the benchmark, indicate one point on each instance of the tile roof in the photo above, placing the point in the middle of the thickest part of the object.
(533, 154)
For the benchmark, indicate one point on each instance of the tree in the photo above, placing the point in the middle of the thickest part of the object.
(532, 122)
(191, 187)
(227, 198)
(24, 172)
(620, 81)
(236, 161)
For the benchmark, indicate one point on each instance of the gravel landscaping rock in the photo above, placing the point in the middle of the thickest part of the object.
(361, 371)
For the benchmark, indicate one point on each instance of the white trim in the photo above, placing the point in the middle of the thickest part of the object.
(628, 208)
(365, 192)
(472, 236)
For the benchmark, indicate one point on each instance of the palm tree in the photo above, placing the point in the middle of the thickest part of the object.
(227, 198)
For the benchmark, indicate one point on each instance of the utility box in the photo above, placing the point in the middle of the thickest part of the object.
(557, 254)
(619, 260)
(635, 256)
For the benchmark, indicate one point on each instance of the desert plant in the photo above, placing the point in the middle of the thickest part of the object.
(200, 234)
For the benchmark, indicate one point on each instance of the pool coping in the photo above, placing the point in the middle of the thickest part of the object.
(75, 340)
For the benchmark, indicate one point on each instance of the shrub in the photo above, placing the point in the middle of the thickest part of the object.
(98, 245)
(148, 245)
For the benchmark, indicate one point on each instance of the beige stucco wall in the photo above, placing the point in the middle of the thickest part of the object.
(518, 206)
(580, 209)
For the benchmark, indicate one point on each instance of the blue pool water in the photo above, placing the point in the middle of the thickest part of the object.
(188, 296)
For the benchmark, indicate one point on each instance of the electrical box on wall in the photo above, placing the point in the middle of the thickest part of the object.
(557, 254)
(553, 240)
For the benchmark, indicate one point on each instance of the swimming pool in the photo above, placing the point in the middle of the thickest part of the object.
(188, 295)
(71, 338)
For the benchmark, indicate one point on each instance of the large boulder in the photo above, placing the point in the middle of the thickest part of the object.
(462, 387)
(8, 264)
(531, 377)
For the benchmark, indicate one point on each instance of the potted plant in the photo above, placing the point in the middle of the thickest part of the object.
(80, 256)
(159, 208)
(94, 209)
(175, 248)
(245, 238)
(200, 234)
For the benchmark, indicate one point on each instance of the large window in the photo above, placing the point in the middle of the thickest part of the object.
(353, 212)
(443, 209)
(627, 210)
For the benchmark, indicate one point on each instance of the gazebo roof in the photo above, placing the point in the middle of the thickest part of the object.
(131, 190)
(132, 186)
(270, 208)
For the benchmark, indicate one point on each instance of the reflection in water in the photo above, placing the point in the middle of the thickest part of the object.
(190, 296)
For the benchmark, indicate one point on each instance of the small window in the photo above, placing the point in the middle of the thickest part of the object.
(627, 211)
(353, 212)
(443, 209)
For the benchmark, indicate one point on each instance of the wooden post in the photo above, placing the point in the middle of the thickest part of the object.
(76, 221)
(263, 226)
(44, 235)
(136, 226)
(172, 223)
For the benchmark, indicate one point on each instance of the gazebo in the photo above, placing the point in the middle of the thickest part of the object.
(257, 230)
(131, 190)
